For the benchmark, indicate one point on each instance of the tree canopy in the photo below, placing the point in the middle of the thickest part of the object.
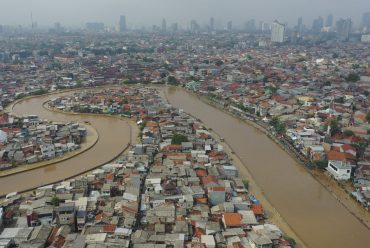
(353, 77)
(178, 139)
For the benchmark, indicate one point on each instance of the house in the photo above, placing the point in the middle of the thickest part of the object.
(259, 240)
(216, 195)
(209, 181)
(47, 151)
(38, 237)
(339, 170)
(232, 220)
(66, 214)
(208, 241)
(45, 215)
(230, 171)
(81, 212)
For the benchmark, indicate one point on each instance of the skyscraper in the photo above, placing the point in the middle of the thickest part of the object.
(229, 25)
(164, 25)
(318, 24)
(122, 24)
(212, 24)
(194, 26)
(366, 21)
(174, 27)
(329, 21)
(250, 26)
(300, 24)
(277, 32)
(343, 28)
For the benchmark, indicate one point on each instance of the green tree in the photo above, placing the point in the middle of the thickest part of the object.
(172, 80)
(55, 201)
(178, 139)
(280, 128)
(348, 133)
(274, 121)
(368, 117)
(277, 124)
(353, 77)
(246, 183)
(78, 83)
(334, 127)
(219, 62)
(340, 100)
(321, 164)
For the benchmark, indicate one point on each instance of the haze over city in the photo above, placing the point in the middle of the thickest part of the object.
(148, 12)
(184, 123)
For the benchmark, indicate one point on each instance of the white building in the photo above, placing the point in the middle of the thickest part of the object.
(47, 151)
(339, 170)
(277, 32)
(365, 38)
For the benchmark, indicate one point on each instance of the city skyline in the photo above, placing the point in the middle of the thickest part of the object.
(46, 13)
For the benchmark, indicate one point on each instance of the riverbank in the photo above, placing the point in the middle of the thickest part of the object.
(114, 138)
(273, 215)
(134, 134)
(334, 188)
(90, 140)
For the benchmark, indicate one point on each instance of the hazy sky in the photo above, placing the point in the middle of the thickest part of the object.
(148, 12)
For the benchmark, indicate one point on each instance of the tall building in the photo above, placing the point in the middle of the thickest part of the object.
(250, 26)
(164, 25)
(300, 24)
(229, 25)
(122, 24)
(212, 24)
(366, 22)
(194, 26)
(329, 21)
(277, 32)
(174, 27)
(264, 27)
(343, 28)
(317, 24)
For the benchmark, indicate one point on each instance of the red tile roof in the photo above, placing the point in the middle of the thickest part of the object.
(209, 179)
(201, 173)
(257, 209)
(109, 228)
(232, 219)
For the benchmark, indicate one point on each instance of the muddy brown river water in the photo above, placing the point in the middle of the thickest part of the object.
(313, 213)
(114, 135)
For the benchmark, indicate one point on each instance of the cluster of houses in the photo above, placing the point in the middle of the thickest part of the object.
(28, 140)
(327, 123)
(177, 188)
(125, 101)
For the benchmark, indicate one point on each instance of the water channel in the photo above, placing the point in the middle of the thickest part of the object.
(313, 213)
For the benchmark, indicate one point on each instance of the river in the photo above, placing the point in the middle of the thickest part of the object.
(314, 214)
(114, 135)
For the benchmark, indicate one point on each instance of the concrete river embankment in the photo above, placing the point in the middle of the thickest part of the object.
(313, 212)
(114, 136)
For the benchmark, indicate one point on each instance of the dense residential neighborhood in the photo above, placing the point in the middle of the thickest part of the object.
(29, 140)
(179, 185)
(177, 188)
